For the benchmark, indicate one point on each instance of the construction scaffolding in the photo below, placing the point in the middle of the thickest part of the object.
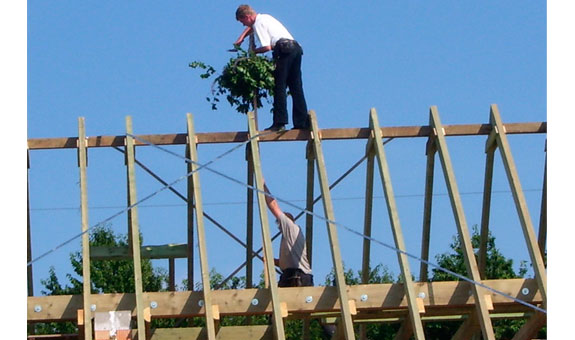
(472, 299)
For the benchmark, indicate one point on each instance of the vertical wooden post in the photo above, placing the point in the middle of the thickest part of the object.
(368, 210)
(413, 309)
(487, 184)
(190, 229)
(332, 230)
(430, 151)
(249, 220)
(542, 236)
(29, 239)
(87, 286)
(309, 201)
(134, 228)
(267, 243)
(172, 274)
(208, 307)
(457, 207)
(520, 202)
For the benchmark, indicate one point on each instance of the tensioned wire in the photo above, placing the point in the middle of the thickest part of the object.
(303, 210)
(167, 186)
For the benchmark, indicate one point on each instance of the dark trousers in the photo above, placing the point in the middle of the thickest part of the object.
(287, 56)
(292, 277)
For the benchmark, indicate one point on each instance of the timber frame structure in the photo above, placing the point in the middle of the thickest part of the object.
(410, 303)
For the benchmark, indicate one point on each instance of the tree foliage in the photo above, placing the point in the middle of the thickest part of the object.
(115, 276)
(244, 79)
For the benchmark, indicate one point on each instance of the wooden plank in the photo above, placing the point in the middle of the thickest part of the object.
(441, 298)
(267, 243)
(204, 267)
(463, 231)
(134, 226)
(467, 329)
(366, 250)
(87, 282)
(368, 209)
(291, 135)
(485, 211)
(255, 332)
(530, 329)
(166, 251)
(430, 151)
(385, 176)
(249, 220)
(310, 182)
(190, 223)
(520, 202)
(332, 230)
(542, 235)
(29, 269)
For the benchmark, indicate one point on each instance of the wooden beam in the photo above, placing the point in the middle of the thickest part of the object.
(430, 150)
(267, 243)
(310, 182)
(190, 223)
(520, 202)
(332, 230)
(441, 298)
(87, 282)
(292, 135)
(542, 235)
(486, 209)
(368, 210)
(463, 231)
(29, 235)
(414, 317)
(166, 251)
(468, 328)
(134, 226)
(255, 332)
(530, 329)
(204, 267)
(249, 220)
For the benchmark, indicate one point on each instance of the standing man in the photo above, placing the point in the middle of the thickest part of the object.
(273, 36)
(296, 271)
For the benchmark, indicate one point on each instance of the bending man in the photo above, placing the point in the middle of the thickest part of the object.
(293, 262)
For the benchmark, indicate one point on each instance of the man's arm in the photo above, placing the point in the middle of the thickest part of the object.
(242, 36)
(272, 203)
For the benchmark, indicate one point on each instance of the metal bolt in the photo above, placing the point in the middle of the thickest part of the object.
(37, 308)
(153, 305)
(421, 295)
(255, 302)
(93, 308)
(201, 303)
(525, 291)
(308, 299)
(363, 297)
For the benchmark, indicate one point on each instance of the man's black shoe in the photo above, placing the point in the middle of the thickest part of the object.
(301, 128)
(276, 127)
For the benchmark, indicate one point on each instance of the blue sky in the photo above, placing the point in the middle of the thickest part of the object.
(106, 60)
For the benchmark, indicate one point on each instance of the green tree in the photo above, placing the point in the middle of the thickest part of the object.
(111, 276)
(497, 267)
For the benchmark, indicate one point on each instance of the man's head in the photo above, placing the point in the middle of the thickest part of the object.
(290, 216)
(246, 15)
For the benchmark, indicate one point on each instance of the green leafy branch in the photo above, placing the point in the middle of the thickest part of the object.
(245, 79)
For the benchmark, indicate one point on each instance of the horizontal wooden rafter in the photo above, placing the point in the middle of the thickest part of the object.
(167, 251)
(291, 135)
(441, 298)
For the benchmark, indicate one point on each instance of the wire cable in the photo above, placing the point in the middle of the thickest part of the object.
(397, 250)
